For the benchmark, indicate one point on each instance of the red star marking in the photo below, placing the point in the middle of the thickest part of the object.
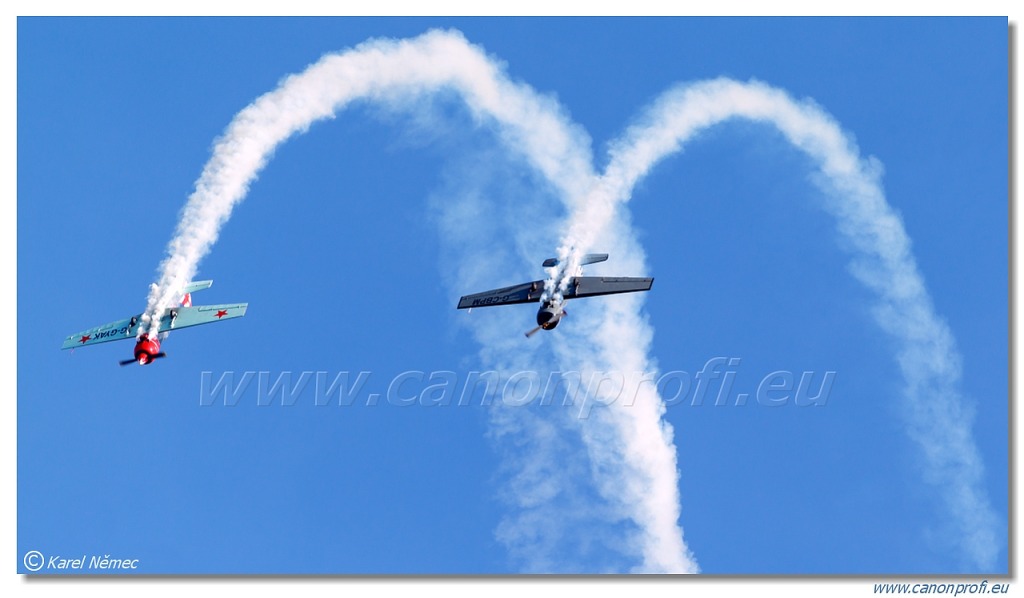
(84, 339)
(222, 313)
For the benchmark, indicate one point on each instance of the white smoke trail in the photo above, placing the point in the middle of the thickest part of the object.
(382, 71)
(397, 73)
(937, 418)
(630, 448)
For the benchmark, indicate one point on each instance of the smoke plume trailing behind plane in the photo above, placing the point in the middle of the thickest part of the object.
(936, 416)
(630, 447)
(396, 73)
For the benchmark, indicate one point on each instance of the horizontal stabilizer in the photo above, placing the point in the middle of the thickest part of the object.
(198, 285)
(590, 258)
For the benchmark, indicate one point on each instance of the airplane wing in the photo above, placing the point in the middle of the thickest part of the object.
(129, 327)
(200, 314)
(528, 292)
(113, 331)
(592, 286)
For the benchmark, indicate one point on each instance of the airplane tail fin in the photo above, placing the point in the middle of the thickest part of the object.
(186, 301)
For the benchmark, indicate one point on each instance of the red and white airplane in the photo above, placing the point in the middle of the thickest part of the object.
(147, 347)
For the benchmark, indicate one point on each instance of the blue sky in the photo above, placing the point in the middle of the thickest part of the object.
(344, 250)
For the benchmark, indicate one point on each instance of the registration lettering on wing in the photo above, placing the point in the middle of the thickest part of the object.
(95, 336)
(494, 299)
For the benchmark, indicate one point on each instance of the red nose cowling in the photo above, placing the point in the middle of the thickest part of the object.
(146, 349)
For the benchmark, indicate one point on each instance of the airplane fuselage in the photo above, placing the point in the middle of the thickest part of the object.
(549, 314)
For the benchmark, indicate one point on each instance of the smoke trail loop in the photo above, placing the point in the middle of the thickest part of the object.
(637, 471)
